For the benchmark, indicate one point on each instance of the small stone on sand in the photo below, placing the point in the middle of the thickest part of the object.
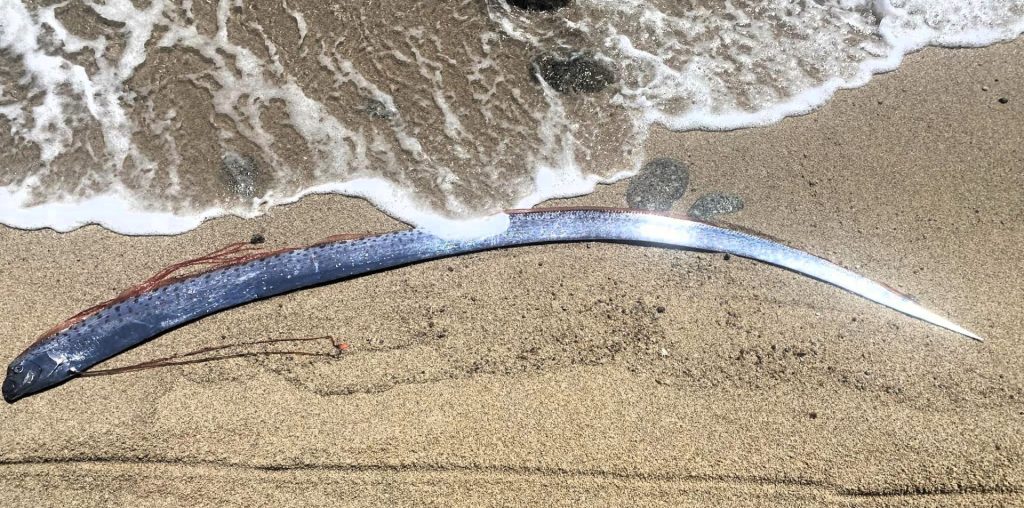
(378, 109)
(658, 185)
(242, 171)
(539, 5)
(715, 203)
(573, 73)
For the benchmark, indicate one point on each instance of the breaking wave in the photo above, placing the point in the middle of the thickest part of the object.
(149, 118)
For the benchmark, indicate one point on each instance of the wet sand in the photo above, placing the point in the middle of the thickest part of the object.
(591, 374)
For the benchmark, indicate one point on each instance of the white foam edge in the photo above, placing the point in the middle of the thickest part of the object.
(569, 182)
(118, 211)
(813, 98)
(114, 210)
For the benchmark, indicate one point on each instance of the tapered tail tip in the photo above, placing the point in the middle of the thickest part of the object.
(961, 330)
(973, 335)
(924, 314)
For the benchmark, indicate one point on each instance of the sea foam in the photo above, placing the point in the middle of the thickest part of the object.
(123, 113)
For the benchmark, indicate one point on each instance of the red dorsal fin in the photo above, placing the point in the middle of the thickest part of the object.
(229, 255)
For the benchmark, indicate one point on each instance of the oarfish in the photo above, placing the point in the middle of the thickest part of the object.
(127, 323)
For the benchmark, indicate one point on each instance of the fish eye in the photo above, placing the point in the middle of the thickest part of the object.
(18, 369)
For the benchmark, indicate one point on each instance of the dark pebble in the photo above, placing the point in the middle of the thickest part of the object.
(715, 203)
(658, 185)
(660, 309)
(573, 73)
(378, 109)
(813, 415)
(257, 239)
(1003, 100)
(241, 170)
(539, 5)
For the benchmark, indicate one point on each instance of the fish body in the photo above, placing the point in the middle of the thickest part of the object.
(128, 323)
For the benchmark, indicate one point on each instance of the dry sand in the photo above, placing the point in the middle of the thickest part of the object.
(546, 375)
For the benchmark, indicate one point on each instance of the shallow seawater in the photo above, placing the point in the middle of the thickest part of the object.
(149, 117)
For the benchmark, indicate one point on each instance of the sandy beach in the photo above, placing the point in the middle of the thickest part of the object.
(590, 374)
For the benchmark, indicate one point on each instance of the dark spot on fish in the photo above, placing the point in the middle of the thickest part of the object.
(539, 5)
(715, 203)
(575, 72)
(659, 184)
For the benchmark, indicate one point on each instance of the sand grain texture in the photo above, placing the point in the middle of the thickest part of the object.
(594, 374)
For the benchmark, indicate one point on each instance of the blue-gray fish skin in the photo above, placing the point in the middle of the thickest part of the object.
(135, 320)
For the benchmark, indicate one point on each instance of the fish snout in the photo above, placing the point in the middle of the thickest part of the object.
(22, 378)
(10, 390)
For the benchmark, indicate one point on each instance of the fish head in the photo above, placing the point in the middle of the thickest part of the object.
(28, 375)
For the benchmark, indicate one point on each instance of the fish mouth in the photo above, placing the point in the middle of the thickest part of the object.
(11, 392)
